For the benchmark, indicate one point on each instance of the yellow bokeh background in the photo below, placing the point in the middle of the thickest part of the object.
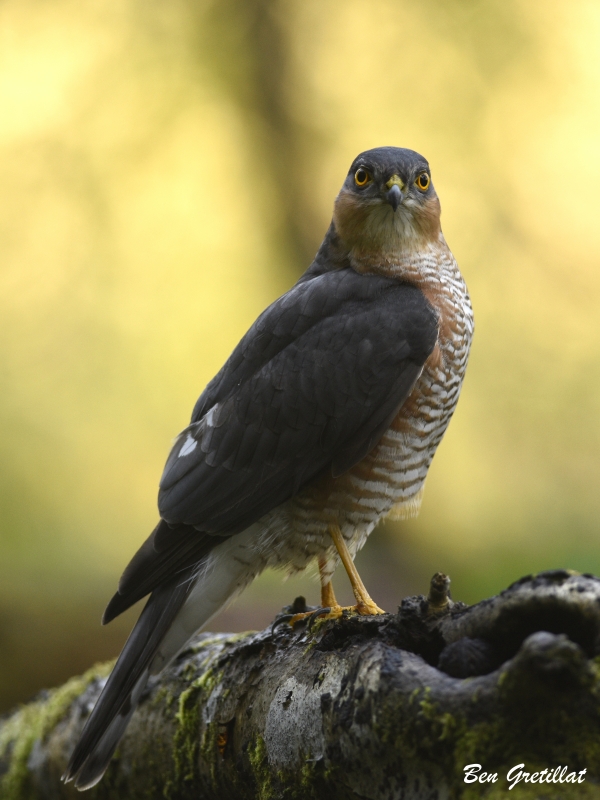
(167, 169)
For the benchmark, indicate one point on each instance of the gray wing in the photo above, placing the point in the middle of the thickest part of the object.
(310, 388)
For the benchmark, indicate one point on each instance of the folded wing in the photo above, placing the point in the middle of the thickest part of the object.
(312, 386)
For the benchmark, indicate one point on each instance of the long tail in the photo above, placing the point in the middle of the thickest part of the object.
(175, 611)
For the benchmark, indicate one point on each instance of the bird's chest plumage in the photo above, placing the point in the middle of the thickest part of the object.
(390, 479)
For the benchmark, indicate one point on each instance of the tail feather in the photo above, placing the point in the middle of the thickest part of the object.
(153, 564)
(175, 611)
(97, 761)
(120, 696)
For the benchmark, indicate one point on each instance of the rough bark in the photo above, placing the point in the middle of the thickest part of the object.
(380, 707)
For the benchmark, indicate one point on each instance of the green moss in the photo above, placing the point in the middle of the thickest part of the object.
(449, 726)
(186, 743)
(257, 756)
(428, 709)
(310, 646)
(421, 731)
(312, 780)
(553, 737)
(33, 723)
(164, 698)
(504, 741)
(413, 696)
(189, 671)
(187, 747)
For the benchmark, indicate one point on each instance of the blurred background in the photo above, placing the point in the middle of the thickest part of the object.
(167, 169)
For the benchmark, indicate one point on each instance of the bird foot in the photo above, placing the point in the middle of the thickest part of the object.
(368, 609)
(364, 609)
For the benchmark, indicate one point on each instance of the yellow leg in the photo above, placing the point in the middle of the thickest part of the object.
(327, 595)
(328, 600)
(364, 604)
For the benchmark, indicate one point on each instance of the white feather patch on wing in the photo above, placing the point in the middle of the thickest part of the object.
(188, 446)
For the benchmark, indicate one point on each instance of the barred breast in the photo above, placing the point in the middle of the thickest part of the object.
(390, 480)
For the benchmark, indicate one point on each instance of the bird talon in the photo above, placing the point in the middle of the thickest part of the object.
(307, 616)
(303, 616)
(281, 621)
(328, 612)
(315, 614)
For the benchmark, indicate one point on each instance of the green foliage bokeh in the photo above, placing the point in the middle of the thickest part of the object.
(168, 169)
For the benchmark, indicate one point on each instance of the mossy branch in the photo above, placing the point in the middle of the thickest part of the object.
(379, 707)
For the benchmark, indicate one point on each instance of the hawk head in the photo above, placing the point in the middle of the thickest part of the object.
(387, 204)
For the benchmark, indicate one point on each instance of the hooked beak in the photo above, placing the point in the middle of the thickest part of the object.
(394, 195)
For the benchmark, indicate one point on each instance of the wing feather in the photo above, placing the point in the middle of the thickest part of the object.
(311, 387)
(324, 370)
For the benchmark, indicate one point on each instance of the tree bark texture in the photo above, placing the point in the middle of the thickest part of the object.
(363, 707)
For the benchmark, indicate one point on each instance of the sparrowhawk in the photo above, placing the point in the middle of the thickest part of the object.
(324, 420)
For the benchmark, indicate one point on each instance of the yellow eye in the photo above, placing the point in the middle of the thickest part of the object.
(423, 181)
(361, 177)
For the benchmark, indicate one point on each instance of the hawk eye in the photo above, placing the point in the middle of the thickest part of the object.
(423, 181)
(361, 177)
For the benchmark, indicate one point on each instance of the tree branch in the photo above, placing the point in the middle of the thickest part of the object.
(379, 707)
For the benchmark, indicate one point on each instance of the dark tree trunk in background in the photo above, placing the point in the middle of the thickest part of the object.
(248, 46)
(380, 707)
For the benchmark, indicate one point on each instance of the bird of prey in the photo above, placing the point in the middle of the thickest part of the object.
(324, 420)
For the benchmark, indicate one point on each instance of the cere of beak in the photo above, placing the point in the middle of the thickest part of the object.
(394, 197)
